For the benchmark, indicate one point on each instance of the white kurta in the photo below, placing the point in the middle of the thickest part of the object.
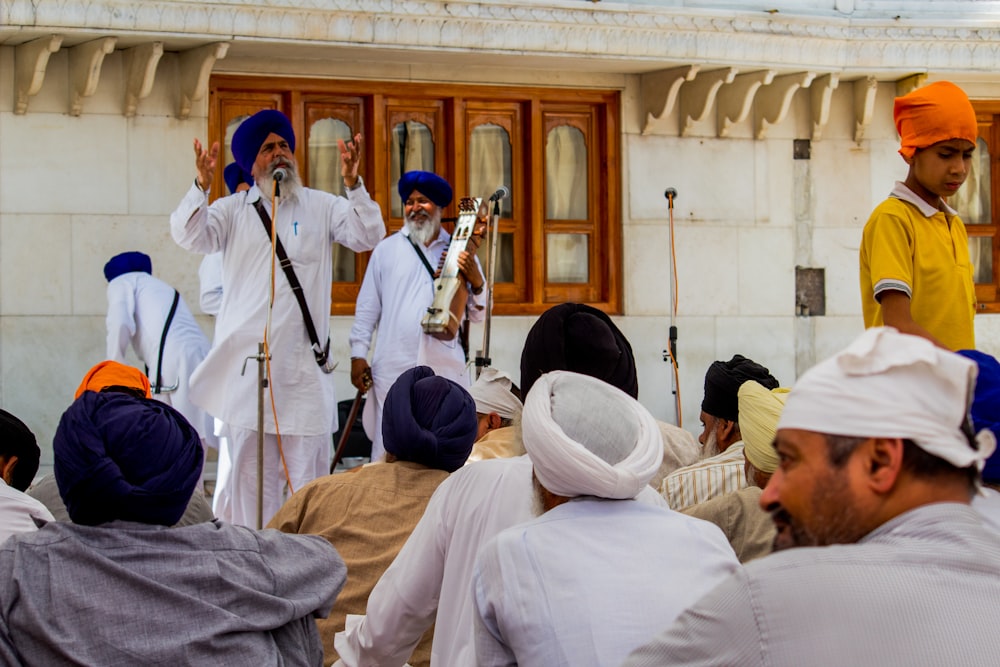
(138, 305)
(591, 580)
(210, 283)
(303, 394)
(394, 297)
(18, 512)
(431, 579)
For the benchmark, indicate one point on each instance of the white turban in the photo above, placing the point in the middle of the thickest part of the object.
(759, 410)
(491, 392)
(892, 385)
(587, 438)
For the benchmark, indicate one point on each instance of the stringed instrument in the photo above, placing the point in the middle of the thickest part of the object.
(444, 316)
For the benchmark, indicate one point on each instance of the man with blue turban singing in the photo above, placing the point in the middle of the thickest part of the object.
(397, 289)
(368, 513)
(117, 586)
(308, 222)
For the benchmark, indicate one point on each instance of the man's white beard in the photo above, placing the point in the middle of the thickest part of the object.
(291, 185)
(424, 227)
(711, 447)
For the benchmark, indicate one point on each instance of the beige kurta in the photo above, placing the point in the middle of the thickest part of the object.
(747, 527)
(366, 514)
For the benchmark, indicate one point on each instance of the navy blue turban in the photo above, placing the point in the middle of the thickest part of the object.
(723, 381)
(127, 262)
(429, 420)
(429, 185)
(252, 132)
(986, 406)
(126, 458)
(233, 175)
(16, 439)
(578, 338)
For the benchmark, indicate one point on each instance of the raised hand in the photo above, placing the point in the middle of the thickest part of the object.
(204, 162)
(350, 158)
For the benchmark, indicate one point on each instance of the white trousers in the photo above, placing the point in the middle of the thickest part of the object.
(307, 457)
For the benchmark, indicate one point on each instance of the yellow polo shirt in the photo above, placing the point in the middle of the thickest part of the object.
(911, 247)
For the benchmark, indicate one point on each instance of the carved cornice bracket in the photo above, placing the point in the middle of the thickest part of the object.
(195, 68)
(660, 91)
(85, 62)
(140, 72)
(821, 95)
(775, 99)
(698, 96)
(864, 105)
(30, 62)
(736, 99)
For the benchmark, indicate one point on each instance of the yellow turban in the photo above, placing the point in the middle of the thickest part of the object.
(760, 410)
(933, 113)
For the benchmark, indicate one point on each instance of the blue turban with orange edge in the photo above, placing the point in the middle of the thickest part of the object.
(426, 183)
(429, 419)
(118, 457)
(252, 132)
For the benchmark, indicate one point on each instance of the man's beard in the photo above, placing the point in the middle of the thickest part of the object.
(835, 517)
(291, 184)
(711, 447)
(537, 502)
(424, 227)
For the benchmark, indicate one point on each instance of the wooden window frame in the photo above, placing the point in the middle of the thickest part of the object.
(988, 116)
(456, 110)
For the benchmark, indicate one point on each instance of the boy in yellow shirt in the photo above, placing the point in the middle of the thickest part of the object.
(916, 274)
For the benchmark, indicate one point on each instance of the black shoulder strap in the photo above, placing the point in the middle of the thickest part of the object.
(422, 256)
(163, 340)
(463, 332)
(319, 351)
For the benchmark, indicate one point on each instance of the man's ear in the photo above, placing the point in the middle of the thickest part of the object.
(725, 430)
(494, 420)
(7, 464)
(883, 462)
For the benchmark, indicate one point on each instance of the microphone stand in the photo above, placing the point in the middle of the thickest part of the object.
(483, 358)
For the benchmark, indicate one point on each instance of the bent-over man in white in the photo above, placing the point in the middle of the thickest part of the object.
(308, 222)
(892, 565)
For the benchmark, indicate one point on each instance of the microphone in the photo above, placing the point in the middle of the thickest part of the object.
(671, 193)
(504, 191)
(279, 174)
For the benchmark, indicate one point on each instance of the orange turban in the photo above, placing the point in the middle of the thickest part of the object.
(111, 373)
(938, 112)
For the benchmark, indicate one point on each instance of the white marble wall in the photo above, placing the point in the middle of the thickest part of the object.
(76, 190)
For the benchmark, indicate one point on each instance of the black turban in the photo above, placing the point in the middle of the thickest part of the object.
(127, 458)
(575, 337)
(16, 439)
(723, 381)
(429, 420)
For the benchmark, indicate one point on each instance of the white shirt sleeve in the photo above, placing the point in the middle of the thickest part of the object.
(367, 308)
(488, 591)
(120, 319)
(357, 222)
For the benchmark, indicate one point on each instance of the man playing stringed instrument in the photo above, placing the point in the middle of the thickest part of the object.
(397, 290)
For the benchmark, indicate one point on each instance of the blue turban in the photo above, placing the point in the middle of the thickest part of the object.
(233, 175)
(127, 262)
(429, 420)
(429, 185)
(127, 458)
(578, 338)
(16, 439)
(986, 405)
(252, 132)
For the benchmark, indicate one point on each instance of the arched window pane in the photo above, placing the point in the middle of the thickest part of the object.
(981, 254)
(973, 200)
(411, 148)
(489, 164)
(565, 174)
(505, 257)
(324, 154)
(324, 174)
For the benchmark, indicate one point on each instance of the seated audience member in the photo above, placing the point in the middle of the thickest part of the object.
(111, 376)
(118, 587)
(878, 465)
(428, 427)
(986, 414)
(748, 527)
(721, 471)
(498, 404)
(19, 459)
(430, 579)
(630, 567)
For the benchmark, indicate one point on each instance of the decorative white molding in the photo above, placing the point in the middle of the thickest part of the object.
(140, 72)
(864, 105)
(775, 99)
(195, 68)
(698, 97)
(821, 95)
(659, 94)
(85, 62)
(30, 62)
(736, 99)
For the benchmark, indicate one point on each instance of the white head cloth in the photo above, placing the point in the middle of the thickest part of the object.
(892, 385)
(491, 392)
(587, 438)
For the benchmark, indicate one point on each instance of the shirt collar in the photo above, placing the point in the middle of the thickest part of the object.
(900, 191)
